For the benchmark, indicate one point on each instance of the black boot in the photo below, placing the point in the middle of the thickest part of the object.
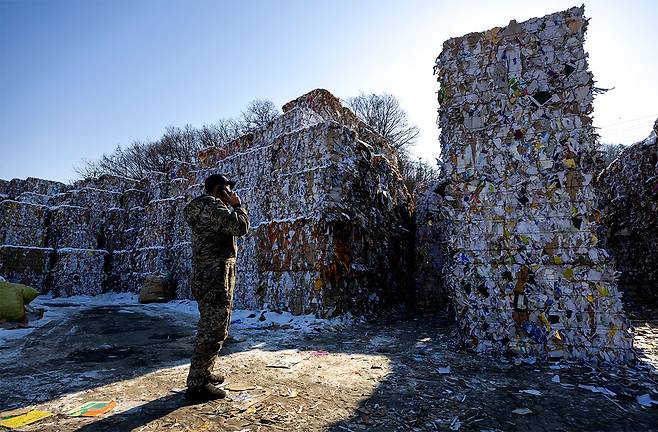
(206, 392)
(215, 378)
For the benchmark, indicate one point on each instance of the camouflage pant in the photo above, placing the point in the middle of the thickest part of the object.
(212, 288)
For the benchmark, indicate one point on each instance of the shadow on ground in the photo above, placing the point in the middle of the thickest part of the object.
(90, 348)
(376, 376)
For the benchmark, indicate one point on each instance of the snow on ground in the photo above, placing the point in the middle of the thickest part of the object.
(59, 307)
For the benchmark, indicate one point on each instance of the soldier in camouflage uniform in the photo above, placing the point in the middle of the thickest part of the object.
(216, 219)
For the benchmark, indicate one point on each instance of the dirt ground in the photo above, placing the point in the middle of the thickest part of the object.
(365, 376)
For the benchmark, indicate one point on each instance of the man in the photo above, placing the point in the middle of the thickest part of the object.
(216, 219)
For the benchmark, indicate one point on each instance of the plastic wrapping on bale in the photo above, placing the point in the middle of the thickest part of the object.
(526, 273)
(628, 192)
(79, 272)
(23, 224)
(26, 265)
(157, 288)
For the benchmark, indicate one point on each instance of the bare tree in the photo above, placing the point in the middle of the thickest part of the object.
(181, 144)
(610, 152)
(220, 132)
(416, 172)
(258, 113)
(384, 114)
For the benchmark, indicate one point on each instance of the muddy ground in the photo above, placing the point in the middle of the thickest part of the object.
(366, 376)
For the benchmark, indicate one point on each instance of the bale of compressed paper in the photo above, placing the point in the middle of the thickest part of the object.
(113, 236)
(155, 184)
(158, 226)
(23, 224)
(180, 259)
(4, 189)
(430, 249)
(329, 211)
(120, 277)
(90, 197)
(107, 182)
(35, 185)
(79, 272)
(154, 259)
(134, 198)
(527, 273)
(26, 265)
(628, 192)
(34, 198)
(75, 227)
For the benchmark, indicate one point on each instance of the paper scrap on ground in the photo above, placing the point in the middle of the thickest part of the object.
(238, 387)
(645, 400)
(24, 419)
(283, 364)
(595, 389)
(522, 411)
(92, 409)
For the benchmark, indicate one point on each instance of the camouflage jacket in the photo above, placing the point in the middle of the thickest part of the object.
(214, 228)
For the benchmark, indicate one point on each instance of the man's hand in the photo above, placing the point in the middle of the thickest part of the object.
(233, 199)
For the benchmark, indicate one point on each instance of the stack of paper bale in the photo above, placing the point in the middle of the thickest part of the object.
(77, 223)
(24, 220)
(330, 216)
(527, 274)
(430, 250)
(628, 190)
(328, 208)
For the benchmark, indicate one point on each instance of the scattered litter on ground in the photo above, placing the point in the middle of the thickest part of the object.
(368, 376)
(595, 389)
(646, 400)
(25, 419)
(522, 411)
(92, 409)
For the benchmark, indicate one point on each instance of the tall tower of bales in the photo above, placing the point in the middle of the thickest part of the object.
(526, 273)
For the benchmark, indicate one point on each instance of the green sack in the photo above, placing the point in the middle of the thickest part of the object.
(29, 293)
(13, 298)
(12, 306)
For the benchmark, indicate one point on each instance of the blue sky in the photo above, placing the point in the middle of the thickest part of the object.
(78, 77)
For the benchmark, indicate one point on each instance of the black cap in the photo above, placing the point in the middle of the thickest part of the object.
(217, 180)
